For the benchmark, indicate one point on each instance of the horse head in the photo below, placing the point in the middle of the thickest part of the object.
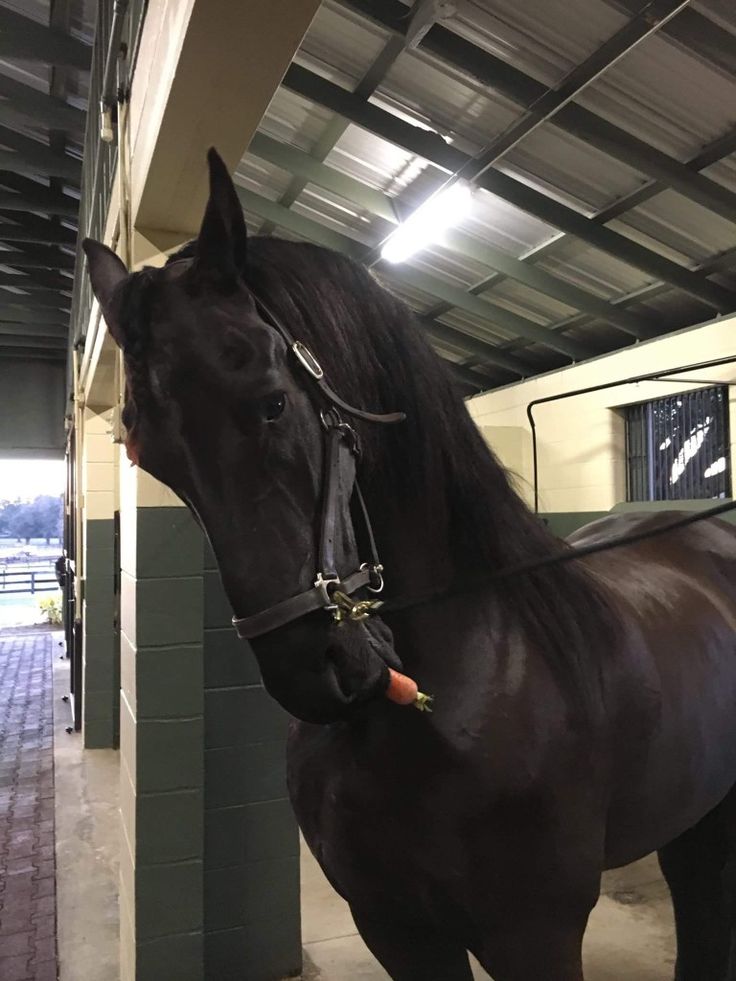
(218, 410)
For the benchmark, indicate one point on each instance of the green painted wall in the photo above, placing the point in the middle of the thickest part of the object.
(251, 851)
(162, 745)
(101, 700)
(564, 523)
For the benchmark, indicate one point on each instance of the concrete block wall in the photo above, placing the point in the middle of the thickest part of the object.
(251, 845)
(209, 846)
(100, 657)
(161, 735)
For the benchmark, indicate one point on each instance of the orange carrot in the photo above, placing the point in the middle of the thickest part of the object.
(404, 691)
(401, 689)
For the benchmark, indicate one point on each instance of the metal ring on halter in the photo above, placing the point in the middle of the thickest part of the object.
(377, 571)
(330, 418)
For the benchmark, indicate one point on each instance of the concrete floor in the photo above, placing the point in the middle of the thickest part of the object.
(630, 936)
(87, 832)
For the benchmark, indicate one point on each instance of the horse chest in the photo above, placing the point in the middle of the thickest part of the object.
(374, 819)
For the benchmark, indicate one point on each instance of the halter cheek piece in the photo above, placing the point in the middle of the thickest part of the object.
(342, 451)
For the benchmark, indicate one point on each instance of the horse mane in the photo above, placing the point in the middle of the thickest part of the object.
(374, 352)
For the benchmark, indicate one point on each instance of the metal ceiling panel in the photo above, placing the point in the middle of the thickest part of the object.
(570, 170)
(667, 96)
(447, 102)
(375, 162)
(544, 38)
(448, 267)
(498, 223)
(594, 270)
(327, 209)
(342, 44)
(527, 302)
(263, 178)
(672, 222)
(294, 120)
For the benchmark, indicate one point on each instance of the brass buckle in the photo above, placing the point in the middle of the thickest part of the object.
(346, 608)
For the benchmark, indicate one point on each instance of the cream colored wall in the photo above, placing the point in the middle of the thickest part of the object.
(581, 440)
(99, 465)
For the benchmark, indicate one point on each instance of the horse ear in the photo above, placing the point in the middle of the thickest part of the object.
(106, 272)
(222, 240)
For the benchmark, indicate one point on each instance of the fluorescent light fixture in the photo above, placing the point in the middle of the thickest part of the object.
(429, 221)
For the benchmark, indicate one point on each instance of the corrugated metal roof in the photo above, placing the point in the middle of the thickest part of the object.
(44, 76)
(665, 93)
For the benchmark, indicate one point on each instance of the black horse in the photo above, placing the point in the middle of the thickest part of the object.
(584, 713)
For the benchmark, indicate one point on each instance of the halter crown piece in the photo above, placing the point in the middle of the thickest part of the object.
(342, 450)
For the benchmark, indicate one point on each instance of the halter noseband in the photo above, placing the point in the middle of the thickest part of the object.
(342, 451)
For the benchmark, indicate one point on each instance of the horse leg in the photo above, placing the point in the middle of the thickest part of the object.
(693, 866)
(528, 950)
(410, 952)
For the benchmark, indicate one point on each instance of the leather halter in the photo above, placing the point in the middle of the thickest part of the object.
(342, 451)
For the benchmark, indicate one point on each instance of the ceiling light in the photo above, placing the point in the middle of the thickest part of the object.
(427, 224)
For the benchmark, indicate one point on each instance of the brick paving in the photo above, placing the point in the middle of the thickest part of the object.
(27, 863)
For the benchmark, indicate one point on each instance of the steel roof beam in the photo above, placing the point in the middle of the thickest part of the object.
(33, 156)
(52, 355)
(31, 256)
(697, 33)
(39, 299)
(433, 148)
(337, 126)
(21, 37)
(720, 148)
(37, 282)
(35, 343)
(311, 170)
(455, 297)
(501, 319)
(378, 203)
(30, 228)
(477, 380)
(722, 261)
(49, 203)
(592, 129)
(9, 328)
(24, 104)
(17, 313)
(52, 302)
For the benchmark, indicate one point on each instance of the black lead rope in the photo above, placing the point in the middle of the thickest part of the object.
(570, 555)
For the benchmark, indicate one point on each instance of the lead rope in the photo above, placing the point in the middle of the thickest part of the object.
(570, 555)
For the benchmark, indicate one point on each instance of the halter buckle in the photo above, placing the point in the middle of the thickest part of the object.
(308, 360)
(323, 584)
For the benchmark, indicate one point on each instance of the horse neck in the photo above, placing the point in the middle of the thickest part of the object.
(462, 521)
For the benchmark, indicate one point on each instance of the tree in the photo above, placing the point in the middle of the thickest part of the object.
(47, 512)
(40, 518)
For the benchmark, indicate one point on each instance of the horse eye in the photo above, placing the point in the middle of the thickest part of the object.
(273, 406)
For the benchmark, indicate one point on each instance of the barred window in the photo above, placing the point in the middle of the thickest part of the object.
(677, 448)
